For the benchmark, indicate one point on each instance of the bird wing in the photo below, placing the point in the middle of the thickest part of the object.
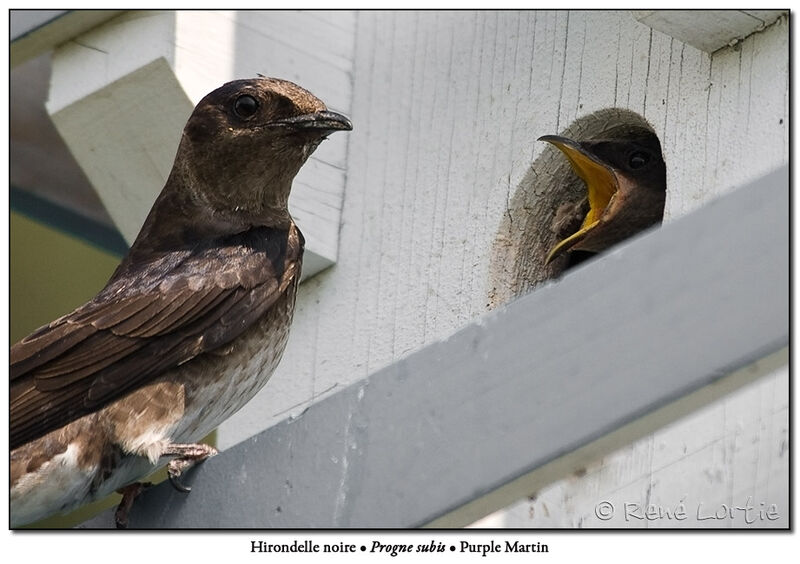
(157, 316)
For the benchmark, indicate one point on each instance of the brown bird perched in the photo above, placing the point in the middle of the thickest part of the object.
(191, 324)
(626, 182)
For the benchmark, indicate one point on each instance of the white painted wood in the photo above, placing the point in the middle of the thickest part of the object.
(708, 30)
(121, 93)
(731, 454)
(125, 136)
(447, 108)
(35, 32)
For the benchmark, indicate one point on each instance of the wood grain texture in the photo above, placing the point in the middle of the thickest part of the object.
(446, 110)
(447, 107)
(730, 454)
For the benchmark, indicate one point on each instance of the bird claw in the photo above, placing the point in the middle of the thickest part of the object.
(174, 479)
(187, 456)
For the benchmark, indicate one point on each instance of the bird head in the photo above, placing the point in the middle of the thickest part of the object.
(245, 142)
(625, 180)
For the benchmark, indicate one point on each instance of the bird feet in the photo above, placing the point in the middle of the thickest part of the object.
(187, 456)
(129, 494)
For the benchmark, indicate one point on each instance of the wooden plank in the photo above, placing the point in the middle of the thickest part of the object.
(575, 369)
(718, 452)
(708, 30)
(34, 32)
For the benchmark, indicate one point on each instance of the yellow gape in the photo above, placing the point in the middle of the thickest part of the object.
(601, 184)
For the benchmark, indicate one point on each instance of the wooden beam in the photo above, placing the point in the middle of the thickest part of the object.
(708, 30)
(34, 32)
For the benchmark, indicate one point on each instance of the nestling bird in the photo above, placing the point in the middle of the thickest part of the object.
(191, 324)
(626, 184)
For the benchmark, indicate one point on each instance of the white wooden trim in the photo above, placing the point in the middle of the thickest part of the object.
(708, 30)
(34, 32)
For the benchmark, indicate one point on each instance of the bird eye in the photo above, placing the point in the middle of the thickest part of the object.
(245, 106)
(638, 159)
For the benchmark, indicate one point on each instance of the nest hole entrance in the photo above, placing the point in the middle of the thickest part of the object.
(530, 228)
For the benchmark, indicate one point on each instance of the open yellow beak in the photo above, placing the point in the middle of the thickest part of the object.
(601, 184)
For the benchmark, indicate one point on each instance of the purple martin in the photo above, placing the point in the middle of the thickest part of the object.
(191, 324)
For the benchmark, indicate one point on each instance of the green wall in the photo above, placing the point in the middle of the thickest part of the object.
(51, 273)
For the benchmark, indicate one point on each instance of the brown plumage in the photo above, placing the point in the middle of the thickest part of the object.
(191, 324)
(169, 311)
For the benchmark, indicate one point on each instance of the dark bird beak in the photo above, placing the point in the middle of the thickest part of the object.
(319, 121)
(602, 183)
